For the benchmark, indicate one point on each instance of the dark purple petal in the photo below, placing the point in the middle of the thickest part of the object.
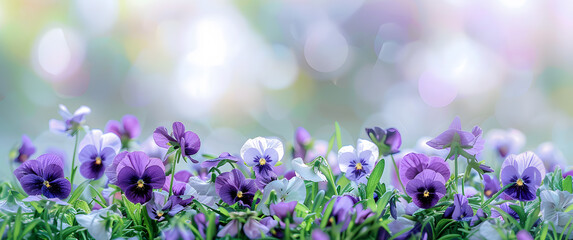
(425, 193)
(509, 175)
(485, 168)
(28, 167)
(376, 134)
(127, 177)
(183, 176)
(262, 179)
(192, 143)
(138, 195)
(92, 170)
(52, 172)
(59, 188)
(162, 138)
(154, 176)
(490, 185)
(32, 184)
(51, 158)
(26, 150)
(131, 126)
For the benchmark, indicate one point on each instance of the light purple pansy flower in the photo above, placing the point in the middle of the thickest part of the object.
(44, 176)
(177, 233)
(414, 163)
(180, 181)
(358, 163)
(505, 142)
(138, 175)
(252, 228)
(202, 223)
(126, 130)
(526, 171)
(97, 151)
(188, 141)
(71, 122)
(551, 156)
(466, 140)
(342, 210)
(211, 163)
(426, 189)
(25, 150)
(301, 143)
(460, 209)
(233, 187)
(262, 154)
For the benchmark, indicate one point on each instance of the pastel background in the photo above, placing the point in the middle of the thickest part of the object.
(233, 70)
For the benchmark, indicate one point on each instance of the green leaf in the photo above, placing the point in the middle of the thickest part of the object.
(79, 191)
(318, 201)
(520, 212)
(383, 201)
(450, 236)
(212, 226)
(532, 218)
(17, 223)
(326, 216)
(83, 205)
(506, 216)
(331, 143)
(101, 199)
(338, 135)
(567, 185)
(66, 232)
(374, 179)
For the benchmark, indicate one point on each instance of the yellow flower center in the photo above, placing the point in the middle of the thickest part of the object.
(160, 213)
(519, 182)
(140, 183)
(47, 184)
(359, 166)
(239, 194)
(426, 193)
(262, 161)
(98, 160)
(488, 193)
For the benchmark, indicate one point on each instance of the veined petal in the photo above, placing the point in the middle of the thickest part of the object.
(346, 155)
(456, 124)
(295, 190)
(110, 140)
(365, 146)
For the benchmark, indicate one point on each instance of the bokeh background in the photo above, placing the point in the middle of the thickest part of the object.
(233, 70)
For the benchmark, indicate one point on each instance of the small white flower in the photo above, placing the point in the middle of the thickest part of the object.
(262, 153)
(285, 190)
(553, 205)
(358, 163)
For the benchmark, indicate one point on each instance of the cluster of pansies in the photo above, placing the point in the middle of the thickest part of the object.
(458, 185)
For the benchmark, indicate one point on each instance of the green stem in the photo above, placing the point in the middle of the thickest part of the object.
(397, 172)
(329, 176)
(177, 156)
(74, 160)
(496, 195)
(456, 174)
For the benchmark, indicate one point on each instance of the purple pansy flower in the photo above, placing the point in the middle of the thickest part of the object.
(111, 171)
(126, 130)
(342, 210)
(180, 181)
(253, 229)
(138, 175)
(262, 154)
(178, 233)
(388, 141)
(358, 163)
(97, 151)
(466, 140)
(44, 176)
(25, 150)
(233, 187)
(426, 189)
(479, 217)
(301, 143)
(490, 186)
(414, 163)
(550, 155)
(157, 208)
(186, 140)
(283, 210)
(318, 234)
(72, 122)
(525, 171)
(460, 209)
(505, 142)
(202, 223)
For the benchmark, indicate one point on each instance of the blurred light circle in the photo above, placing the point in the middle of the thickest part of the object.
(436, 91)
(280, 70)
(209, 42)
(325, 49)
(58, 53)
(98, 15)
